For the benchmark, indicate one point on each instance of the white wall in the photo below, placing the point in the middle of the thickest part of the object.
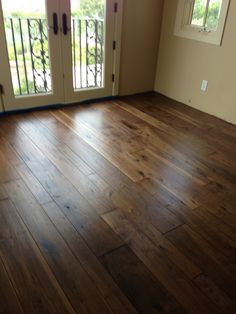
(184, 63)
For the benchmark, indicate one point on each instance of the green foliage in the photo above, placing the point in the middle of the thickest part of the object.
(198, 12)
(24, 87)
(85, 9)
(91, 58)
(212, 14)
(89, 9)
(23, 14)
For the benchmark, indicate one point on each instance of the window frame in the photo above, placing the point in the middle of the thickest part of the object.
(184, 28)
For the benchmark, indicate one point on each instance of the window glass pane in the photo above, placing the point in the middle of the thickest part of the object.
(199, 11)
(213, 14)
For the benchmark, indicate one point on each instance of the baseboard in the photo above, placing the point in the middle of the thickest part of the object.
(57, 106)
(194, 108)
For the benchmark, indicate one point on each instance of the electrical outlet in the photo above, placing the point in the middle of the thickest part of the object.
(204, 86)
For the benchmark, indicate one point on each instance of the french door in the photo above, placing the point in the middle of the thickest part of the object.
(56, 52)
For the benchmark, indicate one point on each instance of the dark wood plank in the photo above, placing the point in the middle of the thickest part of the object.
(161, 267)
(213, 229)
(36, 286)
(109, 290)
(9, 301)
(66, 134)
(218, 296)
(198, 250)
(208, 226)
(178, 182)
(97, 234)
(198, 146)
(3, 193)
(117, 157)
(7, 150)
(68, 271)
(79, 174)
(33, 184)
(145, 207)
(99, 237)
(7, 172)
(142, 288)
(224, 212)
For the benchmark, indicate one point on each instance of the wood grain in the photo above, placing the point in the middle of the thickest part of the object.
(36, 286)
(122, 206)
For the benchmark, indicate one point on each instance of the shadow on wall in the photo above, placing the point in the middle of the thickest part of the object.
(184, 63)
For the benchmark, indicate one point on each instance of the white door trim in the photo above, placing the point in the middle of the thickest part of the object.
(117, 51)
(31, 101)
(12, 103)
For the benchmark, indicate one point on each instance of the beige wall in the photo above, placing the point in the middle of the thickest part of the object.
(183, 64)
(140, 40)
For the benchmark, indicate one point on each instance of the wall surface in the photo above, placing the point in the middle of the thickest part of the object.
(140, 43)
(184, 63)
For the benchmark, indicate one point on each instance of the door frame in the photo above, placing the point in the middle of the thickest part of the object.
(31, 101)
(1, 104)
(117, 52)
(114, 15)
(12, 103)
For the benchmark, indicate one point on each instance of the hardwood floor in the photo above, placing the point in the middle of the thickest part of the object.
(124, 206)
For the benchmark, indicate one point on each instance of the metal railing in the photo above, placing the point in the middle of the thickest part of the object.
(28, 50)
(88, 52)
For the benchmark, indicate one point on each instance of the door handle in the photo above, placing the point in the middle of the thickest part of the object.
(64, 24)
(55, 24)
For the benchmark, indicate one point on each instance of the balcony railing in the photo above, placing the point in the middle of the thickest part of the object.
(29, 57)
(88, 52)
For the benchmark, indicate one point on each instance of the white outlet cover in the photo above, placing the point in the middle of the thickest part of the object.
(204, 86)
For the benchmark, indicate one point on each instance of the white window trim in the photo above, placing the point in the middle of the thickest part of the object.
(183, 28)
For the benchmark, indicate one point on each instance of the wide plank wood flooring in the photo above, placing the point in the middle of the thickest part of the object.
(121, 206)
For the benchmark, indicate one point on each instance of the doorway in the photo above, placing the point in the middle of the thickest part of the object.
(57, 52)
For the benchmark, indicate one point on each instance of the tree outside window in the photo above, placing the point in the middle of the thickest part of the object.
(206, 13)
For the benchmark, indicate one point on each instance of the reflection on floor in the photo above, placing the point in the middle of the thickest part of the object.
(122, 206)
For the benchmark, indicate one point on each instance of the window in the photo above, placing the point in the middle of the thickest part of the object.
(202, 20)
(206, 14)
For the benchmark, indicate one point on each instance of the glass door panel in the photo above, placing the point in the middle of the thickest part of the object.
(26, 31)
(88, 28)
(29, 42)
(87, 49)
